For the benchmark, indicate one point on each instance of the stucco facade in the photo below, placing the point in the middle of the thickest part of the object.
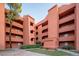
(2, 26)
(29, 30)
(60, 27)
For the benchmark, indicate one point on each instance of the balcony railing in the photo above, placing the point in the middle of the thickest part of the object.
(65, 8)
(16, 24)
(44, 27)
(68, 38)
(66, 19)
(44, 34)
(14, 39)
(15, 31)
(67, 28)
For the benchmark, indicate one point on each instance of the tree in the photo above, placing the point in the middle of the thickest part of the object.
(14, 10)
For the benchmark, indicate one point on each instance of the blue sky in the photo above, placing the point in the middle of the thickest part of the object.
(36, 10)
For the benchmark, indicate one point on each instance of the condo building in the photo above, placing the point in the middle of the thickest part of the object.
(29, 30)
(59, 28)
(69, 25)
(22, 32)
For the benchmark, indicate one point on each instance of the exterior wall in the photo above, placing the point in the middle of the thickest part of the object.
(26, 30)
(39, 35)
(51, 41)
(2, 27)
(77, 26)
(52, 28)
(28, 37)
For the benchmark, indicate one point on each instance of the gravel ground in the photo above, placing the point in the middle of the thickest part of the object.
(19, 52)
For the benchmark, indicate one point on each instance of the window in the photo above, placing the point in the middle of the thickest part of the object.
(42, 44)
(31, 39)
(66, 44)
(31, 31)
(18, 37)
(31, 23)
(36, 38)
(45, 37)
(36, 33)
(66, 35)
(45, 30)
(36, 27)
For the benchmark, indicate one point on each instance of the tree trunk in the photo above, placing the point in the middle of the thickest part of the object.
(10, 34)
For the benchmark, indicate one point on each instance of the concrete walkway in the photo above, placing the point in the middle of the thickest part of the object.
(72, 53)
(19, 52)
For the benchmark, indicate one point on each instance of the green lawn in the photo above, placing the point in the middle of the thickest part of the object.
(49, 52)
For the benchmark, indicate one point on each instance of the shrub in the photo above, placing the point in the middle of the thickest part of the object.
(30, 46)
(68, 47)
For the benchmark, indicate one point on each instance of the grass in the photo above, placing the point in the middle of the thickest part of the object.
(49, 52)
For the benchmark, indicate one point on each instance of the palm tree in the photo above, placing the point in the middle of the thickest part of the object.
(15, 9)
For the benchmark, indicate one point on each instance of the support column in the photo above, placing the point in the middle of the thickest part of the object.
(2, 26)
(26, 30)
(52, 41)
(77, 26)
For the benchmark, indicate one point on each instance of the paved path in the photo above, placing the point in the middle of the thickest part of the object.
(70, 52)
(19, 52)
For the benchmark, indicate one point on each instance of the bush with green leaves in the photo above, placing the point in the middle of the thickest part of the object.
(30, 46)
(68, 47)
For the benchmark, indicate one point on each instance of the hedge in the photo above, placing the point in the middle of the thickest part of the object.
(30, 46)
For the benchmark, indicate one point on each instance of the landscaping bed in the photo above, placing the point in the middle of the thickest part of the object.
(30, 46)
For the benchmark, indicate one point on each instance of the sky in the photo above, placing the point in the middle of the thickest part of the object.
(37, 10)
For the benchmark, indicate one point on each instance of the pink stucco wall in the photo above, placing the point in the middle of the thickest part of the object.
(2, 27)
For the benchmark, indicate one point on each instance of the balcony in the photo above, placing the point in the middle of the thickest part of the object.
(14, 31)
(44, 34)
(66, 19)
(67, 28)
(45, 23)
(14, 39)
(44, 27)
(65, 8)
(16, 24)
(68, 38)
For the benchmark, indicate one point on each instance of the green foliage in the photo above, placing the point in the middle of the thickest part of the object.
(68, 47)
(30, 46)
(15, 9)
